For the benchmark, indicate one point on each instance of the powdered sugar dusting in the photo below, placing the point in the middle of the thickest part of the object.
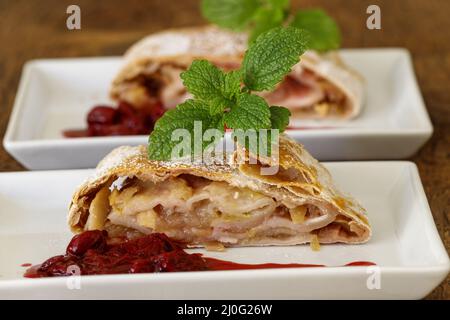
(114, 159)
(207, 163)
(136, 159)
(210, 41)
(164, 44)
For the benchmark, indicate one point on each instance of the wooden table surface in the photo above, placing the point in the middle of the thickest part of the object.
(37, 29)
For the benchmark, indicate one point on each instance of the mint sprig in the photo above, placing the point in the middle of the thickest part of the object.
(270, 58)
(231, 14)
(258, 16)
(208, 83)
(266, 18)
(325, 34)
(249, 112)
(221, 100)
(183, 116)
(279, 117)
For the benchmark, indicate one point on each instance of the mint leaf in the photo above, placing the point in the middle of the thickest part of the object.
(232, 83)
(266, 19)
(279, 117)
(208, 83)
(272, 56)
(271, 14)
(324, 31)
(160, 144)
(218, 105)
(282, 4)
(233, 14)
(250, 112)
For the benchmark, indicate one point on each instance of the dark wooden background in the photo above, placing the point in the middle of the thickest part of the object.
(32, 29)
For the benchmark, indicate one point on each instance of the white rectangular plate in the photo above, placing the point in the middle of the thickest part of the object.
(405, 245)
(56, 94)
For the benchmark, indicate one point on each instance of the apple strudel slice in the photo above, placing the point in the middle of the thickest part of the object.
(320, 86)
(219, 204)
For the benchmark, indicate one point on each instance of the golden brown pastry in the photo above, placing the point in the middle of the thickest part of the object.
(228, 204)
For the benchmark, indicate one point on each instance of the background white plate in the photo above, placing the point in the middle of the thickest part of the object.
(405, 245)
(56, 94)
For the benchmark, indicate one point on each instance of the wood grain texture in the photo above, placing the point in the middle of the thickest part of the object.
(36, 29)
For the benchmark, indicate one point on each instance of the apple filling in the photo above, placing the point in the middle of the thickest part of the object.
(302, 91)
(307, 94)
(197, 210)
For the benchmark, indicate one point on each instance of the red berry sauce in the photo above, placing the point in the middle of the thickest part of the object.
(123, 120)
(93, 254)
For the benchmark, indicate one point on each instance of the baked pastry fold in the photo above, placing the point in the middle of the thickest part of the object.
(231, 203)
(320, 86)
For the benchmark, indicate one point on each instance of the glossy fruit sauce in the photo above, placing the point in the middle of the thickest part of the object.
(91, 252)
(123, 120)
